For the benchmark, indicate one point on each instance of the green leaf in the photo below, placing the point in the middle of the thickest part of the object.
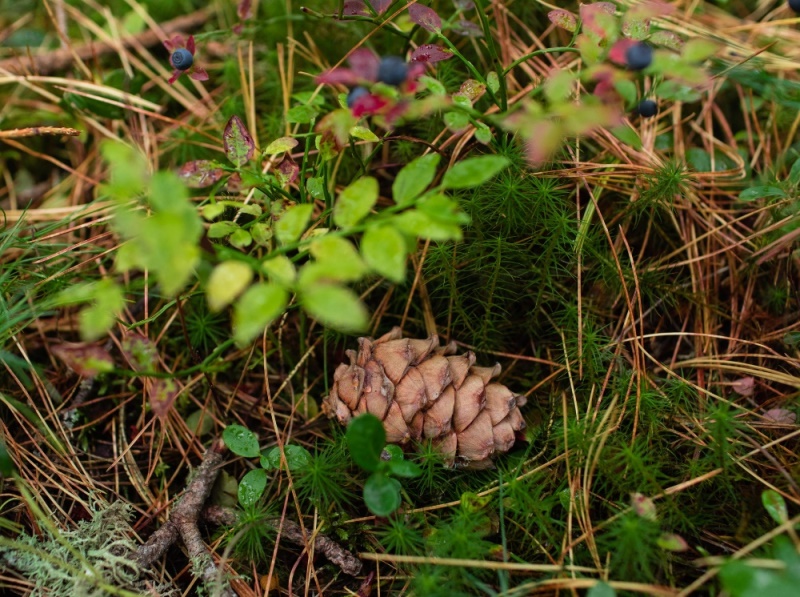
(697, 49)
(627, 135)
(335, 306)
(382, 494)
(241, 441)
(338, 259)
(672, 542)
(384, 250)
(761, 192)
(293, 222)
(493, 82)
(226, 282)
(240, 239)
(297, 457)
(363, 133)
(483, 133)
(222, 229)
(775, 505)
(280, 270)
(414, 178)
(404, 468)
(794, 173)
(252, 487)
(238, 143)
(315, 187)
(418, 224)
(601, 589)
(394, 451)
(128, 172)
(258, 307)
(301, 114)
(366, 438)
(6, 463)
(280, 146)
(432, 85)
(558, 87)
(213, 210)
(456, 121)
(355, 202)
(96, 320)
(474, 171)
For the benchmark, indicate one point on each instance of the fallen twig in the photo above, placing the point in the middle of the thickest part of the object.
(62, 58)
(183, 522)
(334, 552)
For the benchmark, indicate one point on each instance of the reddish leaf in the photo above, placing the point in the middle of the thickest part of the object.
(162, 394)
(430, 53)
(780, 416)
(174, 77)
(338, 76)
(744, 386)
(564, 19)
(173, 43)
(368, 104)
(199, 174)
(140, 352)
(86, 360)
(199, 74)
(380, 6)
(355, 8)
(643, 506)
(364, 63)
(619, 49)
(239, 146)
(471, 89)
(288, 171)
(190, 44)
(594, 17)
(425, 17)
(245, 9)
(543, 138)
(467, 29)
(672, 542)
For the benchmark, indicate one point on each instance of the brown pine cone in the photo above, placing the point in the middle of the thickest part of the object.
(422, 391)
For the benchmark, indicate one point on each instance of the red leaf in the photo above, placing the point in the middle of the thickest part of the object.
(140, 352)
(199, 174)
(619, 49)
(430, 53)
(338, 76)
(174, 77)
(355, 8)
(190, 45)
(425, 17)
(368, 104)
(245, 9)
(199, 74)
(543, 138)
(288, 171)
(380, 6)
(239, 145)
(364, 63)
(594, 17)
(86, 360)
(564, 19)
(467, 29)
(173, 43)
(162, 394)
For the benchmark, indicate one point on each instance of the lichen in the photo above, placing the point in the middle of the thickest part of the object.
(86, 561)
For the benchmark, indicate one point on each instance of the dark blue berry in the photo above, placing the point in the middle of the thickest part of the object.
(647, 108)
(639, 56)
(795, 5)
(392, 70)
(355, 94)
(182, 59)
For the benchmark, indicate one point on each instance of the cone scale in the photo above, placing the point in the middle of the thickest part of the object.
(422, 391)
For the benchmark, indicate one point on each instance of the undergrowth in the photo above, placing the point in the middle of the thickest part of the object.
(638, 283)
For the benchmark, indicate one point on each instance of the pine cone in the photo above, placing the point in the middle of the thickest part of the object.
(422, 391)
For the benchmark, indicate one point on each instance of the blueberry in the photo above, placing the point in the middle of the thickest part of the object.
(647, 108)
(392, 70)
(182, 59)
(795, 5)
(355, 94)
(639, 56)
